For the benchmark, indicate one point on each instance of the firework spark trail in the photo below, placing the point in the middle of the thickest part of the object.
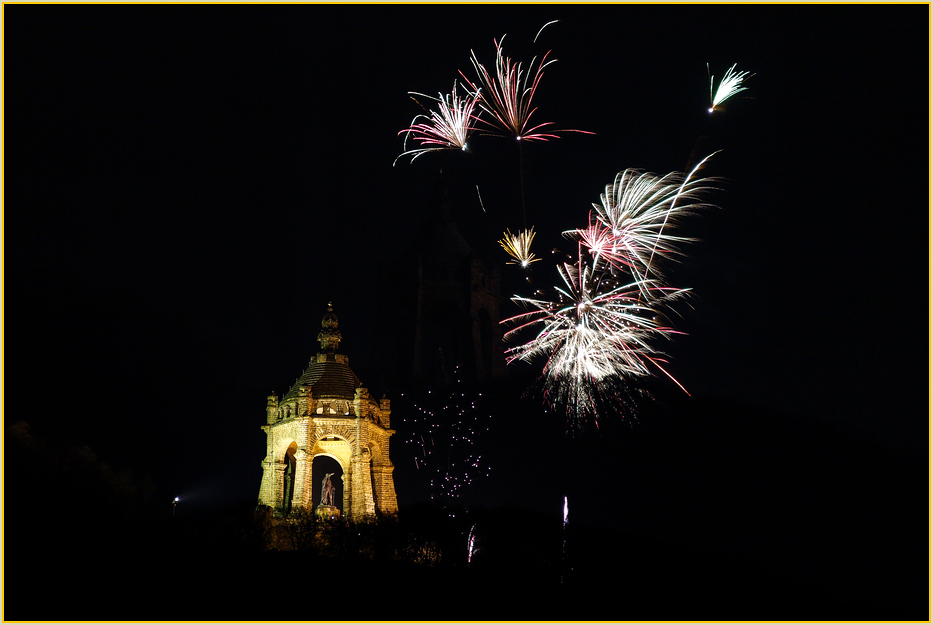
(730, 85)
(564, 541)
(518, 247)
(480, 199)
(542, 29)
(446, 129)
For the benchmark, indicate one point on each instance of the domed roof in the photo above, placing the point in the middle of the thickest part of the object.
(328, 378)
(328, 374)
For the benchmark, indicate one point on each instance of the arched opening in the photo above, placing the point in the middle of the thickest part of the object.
(288, 477)
(320, 467)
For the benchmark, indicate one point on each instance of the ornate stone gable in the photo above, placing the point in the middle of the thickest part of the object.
(328, 413)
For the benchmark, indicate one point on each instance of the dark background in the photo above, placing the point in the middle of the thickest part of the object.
(186, 188)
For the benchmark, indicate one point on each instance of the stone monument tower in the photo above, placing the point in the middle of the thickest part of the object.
(328, 413)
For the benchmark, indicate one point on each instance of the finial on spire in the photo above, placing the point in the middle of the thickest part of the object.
(329, 336)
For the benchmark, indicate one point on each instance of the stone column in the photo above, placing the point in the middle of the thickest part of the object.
(272, 409)
(302, 477)
(364, 507)
(265, 487)
(347, 491)
(278, 482)
(385, 484)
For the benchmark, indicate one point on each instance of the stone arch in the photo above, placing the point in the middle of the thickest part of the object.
(338, 449)
(281, 447)
(319, 466)
(375, 451)
(330, 407)
(342, 429)
(334, 446)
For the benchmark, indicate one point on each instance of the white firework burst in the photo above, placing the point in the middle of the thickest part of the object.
(730, 85)
(636, 215)
(597, 332)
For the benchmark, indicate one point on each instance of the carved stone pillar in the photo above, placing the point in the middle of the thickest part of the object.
(364, 505)
(278, 483)
(347, 491)
(302, 477)
(385, 485)
(266, 487)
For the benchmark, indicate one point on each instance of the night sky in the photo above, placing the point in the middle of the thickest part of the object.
(186, 188)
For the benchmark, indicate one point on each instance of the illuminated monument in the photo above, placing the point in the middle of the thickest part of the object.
(328, 414)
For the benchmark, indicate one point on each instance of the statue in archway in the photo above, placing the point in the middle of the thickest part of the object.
(327, 491)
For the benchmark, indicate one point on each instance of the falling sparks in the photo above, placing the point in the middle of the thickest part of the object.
(443, 433)
(445, 129)
(730, 85)
(518, 247)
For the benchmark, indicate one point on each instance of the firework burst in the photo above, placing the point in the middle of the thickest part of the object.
(507, 95)
(518, 247)
(596, 328)
(602, 328)
(634, 219)
(597, 332)
(608, 316)
(447, 128)
(730, 85)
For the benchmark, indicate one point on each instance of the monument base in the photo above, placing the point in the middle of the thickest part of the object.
(327, 513)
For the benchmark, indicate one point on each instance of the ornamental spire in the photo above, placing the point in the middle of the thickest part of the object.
(329, 336)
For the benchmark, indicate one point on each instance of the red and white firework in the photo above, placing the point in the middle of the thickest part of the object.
(507, 96)
(447, 128)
